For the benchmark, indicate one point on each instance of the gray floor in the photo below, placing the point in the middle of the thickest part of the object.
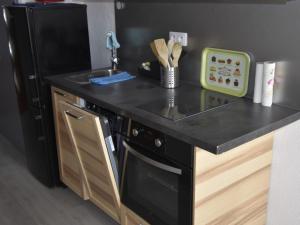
(24, 201)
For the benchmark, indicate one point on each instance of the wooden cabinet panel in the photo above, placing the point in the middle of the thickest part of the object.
(130, 218)
(69, 168)
(65, 96)
(87, 138)
(232, 188)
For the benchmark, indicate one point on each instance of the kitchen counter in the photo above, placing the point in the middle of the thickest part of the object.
(216, 130)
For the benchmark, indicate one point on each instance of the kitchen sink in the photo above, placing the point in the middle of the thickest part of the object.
(85, 78)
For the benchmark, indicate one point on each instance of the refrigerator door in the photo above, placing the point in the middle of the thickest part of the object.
(40, 150)
(22, 57)
(59, 33)
(10, 123)
(37, 151)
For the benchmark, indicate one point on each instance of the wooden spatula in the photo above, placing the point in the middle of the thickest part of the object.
(170, 50)
(177, 49)
(162, 61)
(162, 51)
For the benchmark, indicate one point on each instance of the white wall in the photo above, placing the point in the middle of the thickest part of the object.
(101, 20)
(284, 198)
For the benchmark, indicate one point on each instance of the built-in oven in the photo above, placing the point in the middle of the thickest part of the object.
(157, 177)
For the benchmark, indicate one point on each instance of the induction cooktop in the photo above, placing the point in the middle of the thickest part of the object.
(178, 104)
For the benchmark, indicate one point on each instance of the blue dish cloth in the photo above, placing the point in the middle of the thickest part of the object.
(111, 40)
(123, 76)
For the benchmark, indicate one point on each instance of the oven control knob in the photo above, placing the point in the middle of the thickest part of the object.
(157, 142)
(135, 132)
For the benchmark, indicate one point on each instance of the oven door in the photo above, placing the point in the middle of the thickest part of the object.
(157, 190)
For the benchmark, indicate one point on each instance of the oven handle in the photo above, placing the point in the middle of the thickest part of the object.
(151, 161)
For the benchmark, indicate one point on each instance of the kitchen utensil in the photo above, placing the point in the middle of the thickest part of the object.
(162, 50)
(225, 71)
(169, 77)
(177, 50)
(159, 58)
(170, 50)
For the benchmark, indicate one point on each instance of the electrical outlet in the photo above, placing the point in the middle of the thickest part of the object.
(179, 37)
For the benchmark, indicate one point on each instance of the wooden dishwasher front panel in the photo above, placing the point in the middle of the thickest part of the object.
(85, 132)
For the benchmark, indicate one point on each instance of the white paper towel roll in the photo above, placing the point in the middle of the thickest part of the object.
(268, 82)
(258, 82)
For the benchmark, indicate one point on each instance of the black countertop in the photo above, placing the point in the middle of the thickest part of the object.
(216, 130)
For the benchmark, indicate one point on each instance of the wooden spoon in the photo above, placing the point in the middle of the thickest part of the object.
(170, 50)
(162, 50)
(177, 50)
(154, 50)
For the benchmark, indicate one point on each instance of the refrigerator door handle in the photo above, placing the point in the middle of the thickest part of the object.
(31, 77)
(38, 117)
(34, 100)
(41, 138)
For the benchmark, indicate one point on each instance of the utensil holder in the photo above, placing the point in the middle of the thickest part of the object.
(169, 77)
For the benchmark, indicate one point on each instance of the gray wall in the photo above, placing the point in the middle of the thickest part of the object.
(267, 31)
(101, 20)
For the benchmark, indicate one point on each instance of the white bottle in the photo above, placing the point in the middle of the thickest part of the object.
(268, 82)
(258, 82)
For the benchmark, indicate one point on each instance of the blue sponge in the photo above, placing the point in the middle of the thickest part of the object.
(123, 76)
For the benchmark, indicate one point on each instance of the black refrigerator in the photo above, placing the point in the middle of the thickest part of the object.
(44, 40)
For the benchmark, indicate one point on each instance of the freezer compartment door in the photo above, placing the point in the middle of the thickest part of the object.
(61, 39)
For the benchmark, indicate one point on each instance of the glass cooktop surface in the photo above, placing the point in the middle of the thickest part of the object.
(186, 101)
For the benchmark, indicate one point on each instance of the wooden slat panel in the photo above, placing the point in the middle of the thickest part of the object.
(67, 97)
(130, 218)
(254, 208)
(69, 159)
(93, 165)
(88, 140)
(70, 172)
(232, 188)
(71, 179)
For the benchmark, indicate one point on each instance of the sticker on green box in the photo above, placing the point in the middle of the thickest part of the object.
(225, 71)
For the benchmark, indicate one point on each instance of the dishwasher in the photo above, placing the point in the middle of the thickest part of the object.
(115, 129)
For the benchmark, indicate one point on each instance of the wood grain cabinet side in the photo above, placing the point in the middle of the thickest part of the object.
(87, 138)
(232, 188)
(70, 173)
(130, 218)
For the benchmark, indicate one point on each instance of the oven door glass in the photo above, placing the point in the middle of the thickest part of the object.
(158, 191)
